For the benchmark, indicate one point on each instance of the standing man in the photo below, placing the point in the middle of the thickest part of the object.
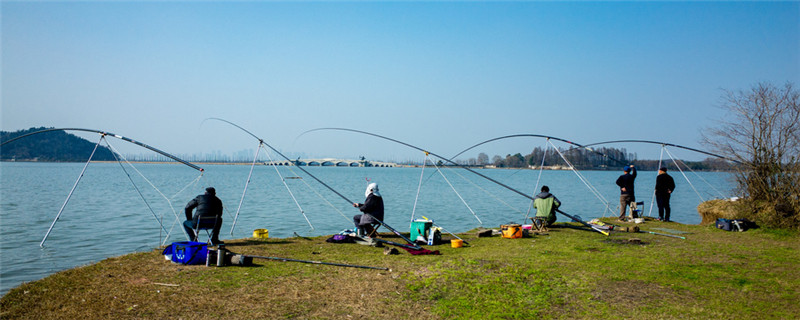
(625, 183)
(208, 205)
(546, 204)
(664, 186)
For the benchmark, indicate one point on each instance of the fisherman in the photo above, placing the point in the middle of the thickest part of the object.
(546, 204)
(664, 187)
(625, 183)
(208, 205)
(372, 209)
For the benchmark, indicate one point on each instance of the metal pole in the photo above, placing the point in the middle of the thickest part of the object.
(41, 244)
(245, 186)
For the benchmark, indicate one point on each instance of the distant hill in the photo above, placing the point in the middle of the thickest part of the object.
(53, 146)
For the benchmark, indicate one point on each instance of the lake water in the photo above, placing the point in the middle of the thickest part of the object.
(107, 217)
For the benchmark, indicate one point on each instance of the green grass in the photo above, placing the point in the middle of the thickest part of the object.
(566, 274)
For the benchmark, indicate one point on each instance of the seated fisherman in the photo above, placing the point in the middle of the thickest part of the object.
(546, 204)
(372, 207)
(208, 205)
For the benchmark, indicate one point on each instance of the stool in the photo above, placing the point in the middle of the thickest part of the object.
(539, 224)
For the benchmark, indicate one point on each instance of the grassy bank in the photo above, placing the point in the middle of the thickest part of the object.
(568, 273)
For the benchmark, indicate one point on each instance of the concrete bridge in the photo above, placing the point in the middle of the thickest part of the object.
(331, 162)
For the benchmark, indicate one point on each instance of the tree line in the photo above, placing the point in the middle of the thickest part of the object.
(605, 158)
(53, 146)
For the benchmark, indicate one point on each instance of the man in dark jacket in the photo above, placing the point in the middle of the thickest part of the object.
(208, 205)
(664, 186)
(372, 209)
(625, 183)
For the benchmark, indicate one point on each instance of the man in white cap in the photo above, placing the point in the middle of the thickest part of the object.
(372, 209)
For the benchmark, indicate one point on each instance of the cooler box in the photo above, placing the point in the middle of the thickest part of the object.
(420, 228)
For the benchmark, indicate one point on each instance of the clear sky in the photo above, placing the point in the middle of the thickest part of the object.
(440, 75)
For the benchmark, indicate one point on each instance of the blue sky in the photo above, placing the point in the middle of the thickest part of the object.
(441, 75)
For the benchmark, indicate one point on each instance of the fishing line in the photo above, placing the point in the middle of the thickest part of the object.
(115, 152)
(541, 168)
(583, 179)
(287, 159)
(458, 194)
(684, 175)
(41, 244)
(660, 157)
(443, 158)
(319, 195)
(255, 158)
(289, 189)
(484, 190)
(419, 187)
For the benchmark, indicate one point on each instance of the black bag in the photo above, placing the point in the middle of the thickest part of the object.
(724, 224)
(735, 224)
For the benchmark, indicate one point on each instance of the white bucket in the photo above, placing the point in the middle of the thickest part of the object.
(638, 220)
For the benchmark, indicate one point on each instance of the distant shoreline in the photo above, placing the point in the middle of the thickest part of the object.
(396, 165)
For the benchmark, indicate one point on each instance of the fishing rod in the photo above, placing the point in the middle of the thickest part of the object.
(313, 176)
(577, 145)
(663, 234)
(262, 142)
(435, 155)
(104, 133)
(285, 157)
(318, 262)
(663, 144)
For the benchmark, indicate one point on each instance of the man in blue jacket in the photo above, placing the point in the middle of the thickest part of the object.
(625, 183)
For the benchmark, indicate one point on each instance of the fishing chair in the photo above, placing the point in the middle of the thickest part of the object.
(539, 224)
(634, 211)
(205, 223)
(371, 229)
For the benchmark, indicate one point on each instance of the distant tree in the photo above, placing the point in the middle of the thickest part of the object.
(761, 130)
(497, 161)
(515, 161)
(483, 159)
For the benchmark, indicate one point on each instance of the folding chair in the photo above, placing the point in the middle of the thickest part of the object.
(207, 224)
(539, 224)
(371, 230)
(635, 212)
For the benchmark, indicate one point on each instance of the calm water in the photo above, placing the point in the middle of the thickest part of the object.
(107, 217)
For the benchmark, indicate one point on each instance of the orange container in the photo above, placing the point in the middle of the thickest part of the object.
(456, 243)
(511, 231)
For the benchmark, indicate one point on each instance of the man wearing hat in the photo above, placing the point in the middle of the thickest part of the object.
(664, 186)
(208, 205)
(625, 183)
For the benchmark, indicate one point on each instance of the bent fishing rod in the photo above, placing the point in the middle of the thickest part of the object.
(104, 133)
(577, 146)
(667, 144)
(261, 141)
(433, 154)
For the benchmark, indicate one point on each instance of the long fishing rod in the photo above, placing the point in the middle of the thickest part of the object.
(285, 157)
(663, 144)
(577, 145)
(104, 133)
(318, 262)
(435, 155)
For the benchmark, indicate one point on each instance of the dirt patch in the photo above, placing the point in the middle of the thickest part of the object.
(630, 294)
